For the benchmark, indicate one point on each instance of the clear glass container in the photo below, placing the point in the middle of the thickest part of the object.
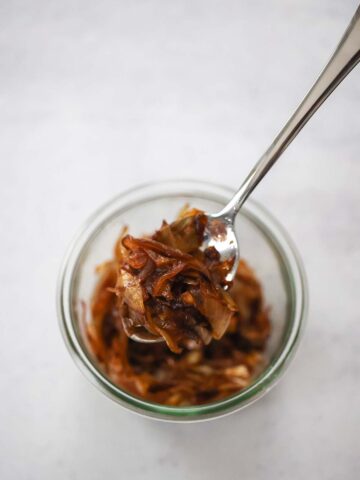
(263, 243)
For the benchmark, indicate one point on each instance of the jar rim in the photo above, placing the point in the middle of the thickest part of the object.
(278, 239)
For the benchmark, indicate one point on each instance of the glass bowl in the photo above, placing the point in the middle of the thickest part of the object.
(263, 243)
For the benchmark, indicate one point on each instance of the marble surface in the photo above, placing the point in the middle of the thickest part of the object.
(96, 97)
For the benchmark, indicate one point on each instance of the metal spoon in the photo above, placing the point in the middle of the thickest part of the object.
(220, 231)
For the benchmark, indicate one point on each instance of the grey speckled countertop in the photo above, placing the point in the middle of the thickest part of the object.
(96, 97)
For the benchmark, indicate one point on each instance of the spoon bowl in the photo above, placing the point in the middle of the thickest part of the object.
(220, 234)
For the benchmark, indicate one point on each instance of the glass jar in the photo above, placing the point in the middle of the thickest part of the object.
(263, 243)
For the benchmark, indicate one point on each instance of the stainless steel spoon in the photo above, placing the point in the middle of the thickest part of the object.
(220, 231)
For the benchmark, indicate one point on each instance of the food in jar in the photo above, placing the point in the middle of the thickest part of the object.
(214, 332)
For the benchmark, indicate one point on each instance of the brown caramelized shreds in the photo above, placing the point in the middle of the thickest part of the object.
(167, 286)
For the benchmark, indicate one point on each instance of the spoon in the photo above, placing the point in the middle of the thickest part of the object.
(219, 232)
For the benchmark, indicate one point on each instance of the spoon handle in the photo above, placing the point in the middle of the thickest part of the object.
(344, 59)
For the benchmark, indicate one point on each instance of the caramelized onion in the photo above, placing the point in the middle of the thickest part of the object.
(214, 339)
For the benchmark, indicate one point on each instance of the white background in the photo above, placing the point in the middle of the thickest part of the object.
(96, 97)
